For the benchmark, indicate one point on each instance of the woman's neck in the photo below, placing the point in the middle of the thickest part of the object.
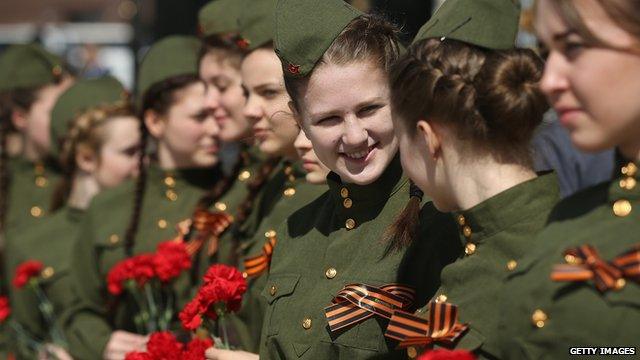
(473, 182)
(84, 188)
(31, 152)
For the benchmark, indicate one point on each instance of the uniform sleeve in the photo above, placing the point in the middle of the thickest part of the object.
(85, 323)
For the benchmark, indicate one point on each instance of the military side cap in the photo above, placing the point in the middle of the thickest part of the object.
(83, 95)
(25, 66)
(305, 29)
(491, 24)
(257, 24)
(169, 57)
(220, 17)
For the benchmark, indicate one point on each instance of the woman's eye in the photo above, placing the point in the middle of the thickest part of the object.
(132, 151)
(369, 110)
(269, 94)
(572, 49)
(327, 120)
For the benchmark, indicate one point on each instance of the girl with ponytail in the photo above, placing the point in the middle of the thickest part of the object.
(178, 110)
(466, 104)
(97, 152)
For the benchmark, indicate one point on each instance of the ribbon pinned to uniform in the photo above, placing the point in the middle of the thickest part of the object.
(584, 263)
(441, 326)
(209, 226)
(256, 265)
(358, 302)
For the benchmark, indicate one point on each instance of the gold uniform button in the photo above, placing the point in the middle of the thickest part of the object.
(630, 170)
(306, 323)
(412, 352)
(628, 183)
(466, 231)
(245, 275)
(273, 290)
(289, 192)
(470, 249)
(48, 272)
(347, 203)
(620, 284)
(220, 206)
(41, 181)
(244, 176)
(344, 192)
(461, 220)
(350, 224)
(171, 195)
(441, 298)
(114, 239)
(170, 181)
(572, 260)
(331, 273)
(288, 170)
(162, 224)
(511, 265)
(622, 208)
(539, 318)
(36, 211)
(270, 234)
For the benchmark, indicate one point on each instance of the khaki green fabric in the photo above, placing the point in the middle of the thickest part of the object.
(315, 239)
(306, 28)
(26, 66)
(31, 188)
(257, 26)
(100, 245)
(491, 24)
(502, 229)
(575, 314)
(49, 242)
(81, 96)
(220, 17)
(276, 209)
(172, 56)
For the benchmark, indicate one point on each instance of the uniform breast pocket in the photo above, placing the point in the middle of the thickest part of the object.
(277, 292)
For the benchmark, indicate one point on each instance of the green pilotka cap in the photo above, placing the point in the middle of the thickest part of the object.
(25, 66)
(491, 24)
(172, 56)
(220, 17)
(305, 29)
(257, 24)
(80, 97)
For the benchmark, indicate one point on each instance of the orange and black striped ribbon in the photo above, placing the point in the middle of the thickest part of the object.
(209, 227)
(441, 326)
(358, 302)
(589, 265)
(256, 265)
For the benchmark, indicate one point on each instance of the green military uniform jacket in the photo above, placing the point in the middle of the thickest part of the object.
(169, 198)
(335, 241)
(31, 188)
(542, 318)
(286, 192)
(49, 242)
(495, 234)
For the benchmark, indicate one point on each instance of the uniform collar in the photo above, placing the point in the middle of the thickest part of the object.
(74, 214)
(507, 208)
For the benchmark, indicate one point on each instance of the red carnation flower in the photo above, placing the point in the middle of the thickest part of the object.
(196, 349)
(139, 268)
(191, 315)
(5, 309)
(136, 355)
(164, 346)
(171, 259)
(444, 354)
(26, 271)
(223, 284)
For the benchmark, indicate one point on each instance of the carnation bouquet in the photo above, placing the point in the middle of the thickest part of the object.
(164, 346)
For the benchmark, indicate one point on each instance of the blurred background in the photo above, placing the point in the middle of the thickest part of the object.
(110, 36)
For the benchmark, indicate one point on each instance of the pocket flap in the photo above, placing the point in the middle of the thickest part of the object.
(279, 286)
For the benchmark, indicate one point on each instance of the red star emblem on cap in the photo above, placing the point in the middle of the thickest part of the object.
(242, 43)
(294, 69)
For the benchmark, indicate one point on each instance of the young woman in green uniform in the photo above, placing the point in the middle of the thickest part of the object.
(177, 109)
(31, 79)
(99, 151)
(335, 62)
(581, 289)
(466, 104)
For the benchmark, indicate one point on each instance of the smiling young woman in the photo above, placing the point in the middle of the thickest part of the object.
(588, 263)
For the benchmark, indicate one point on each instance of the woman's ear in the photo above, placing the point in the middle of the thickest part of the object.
(87, 159)
(155, 123)
(431, 135)
(19, 119)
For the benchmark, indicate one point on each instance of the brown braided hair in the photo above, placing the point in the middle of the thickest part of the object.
(369, 38)
(159, 98)
(86, 130)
